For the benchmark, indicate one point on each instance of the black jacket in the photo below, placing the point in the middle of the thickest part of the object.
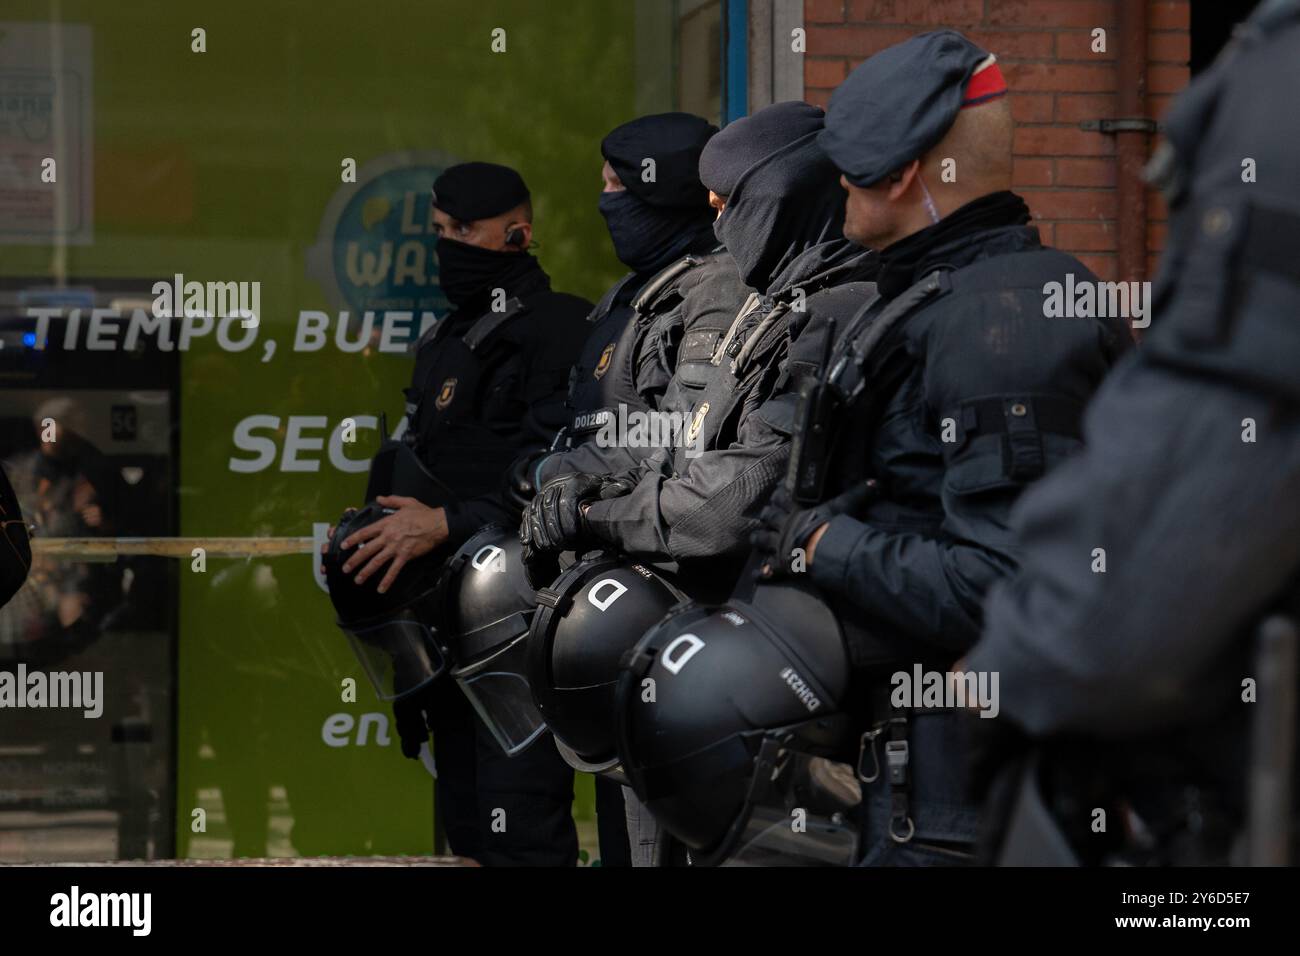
(632, 354)
(488, 386)
(958, 392)
(969, 397)
(1191, 477)
(733, 389)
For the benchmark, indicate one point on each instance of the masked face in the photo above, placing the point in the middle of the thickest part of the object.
(466, 272)
(647, 237)
(781, 206)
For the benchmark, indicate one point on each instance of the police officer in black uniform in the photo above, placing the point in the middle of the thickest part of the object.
(661, 225)
(489, 383)
(944, 398)
(689, 508)
(1134, 669)
(660, 222)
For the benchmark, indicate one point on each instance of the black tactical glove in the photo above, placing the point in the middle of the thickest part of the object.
(785, 528)
(553, 520)
(518, 489)
(410, 714)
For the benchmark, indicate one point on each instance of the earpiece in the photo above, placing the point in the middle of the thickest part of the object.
(515, 238)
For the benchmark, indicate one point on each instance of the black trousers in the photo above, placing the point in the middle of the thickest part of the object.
(499, 810)
(611, 824)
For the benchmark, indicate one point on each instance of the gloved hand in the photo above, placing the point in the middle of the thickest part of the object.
(518, 489)
(553, 520)
(615, 487)
(410, 715)
(784, 527)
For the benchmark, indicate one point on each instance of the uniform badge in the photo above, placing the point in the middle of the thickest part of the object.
(603, 365)
(697, 423)
(445, 394)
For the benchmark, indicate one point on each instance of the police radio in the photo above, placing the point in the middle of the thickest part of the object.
(816, 414)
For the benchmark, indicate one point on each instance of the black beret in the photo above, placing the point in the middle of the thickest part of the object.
(471, 191)
(901, 102)
(674, 141)
(747, 140)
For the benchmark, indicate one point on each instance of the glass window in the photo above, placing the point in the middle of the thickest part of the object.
(281, 159)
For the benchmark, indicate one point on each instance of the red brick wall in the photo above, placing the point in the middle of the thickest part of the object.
(1067, 175)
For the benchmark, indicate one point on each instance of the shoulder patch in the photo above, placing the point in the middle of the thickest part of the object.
(445, 394)
(602, 366)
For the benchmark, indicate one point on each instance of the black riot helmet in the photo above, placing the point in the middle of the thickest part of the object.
(585, 623)
(729, 721)
(394, 634)
(487, 605)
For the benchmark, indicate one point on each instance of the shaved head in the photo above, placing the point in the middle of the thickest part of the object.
(980, 143)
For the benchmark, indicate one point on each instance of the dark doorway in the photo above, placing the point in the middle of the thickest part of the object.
(1212, 23)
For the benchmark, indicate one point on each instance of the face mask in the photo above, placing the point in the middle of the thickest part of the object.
(649, 237)
(466, 271)
(782, 206)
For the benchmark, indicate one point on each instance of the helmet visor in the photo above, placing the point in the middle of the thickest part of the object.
(802, 811)
(398, 655)
(499, 691)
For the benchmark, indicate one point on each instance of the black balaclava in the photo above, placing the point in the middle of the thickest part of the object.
(468, 273)
(652, 223)
(780, 207)
(745, 141)
(470, 192)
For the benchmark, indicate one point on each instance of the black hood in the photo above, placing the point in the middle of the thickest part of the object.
(782, 206)
(832, 263)
(674, 142)
(741, 144)
(827, 263)
(653, 223)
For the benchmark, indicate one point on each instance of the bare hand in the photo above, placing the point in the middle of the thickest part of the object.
(329, 536)
(412, 530)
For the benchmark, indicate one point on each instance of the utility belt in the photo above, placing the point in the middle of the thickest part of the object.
(892, 723)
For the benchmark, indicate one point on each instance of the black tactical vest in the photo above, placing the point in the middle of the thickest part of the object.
(466, 399)
(877, 428)
(630, 340)
(602, 379)
(718, 370)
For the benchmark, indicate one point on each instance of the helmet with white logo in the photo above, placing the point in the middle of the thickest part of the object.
(729, 720)
(585, 623)
(394, 634)
(487, 605)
